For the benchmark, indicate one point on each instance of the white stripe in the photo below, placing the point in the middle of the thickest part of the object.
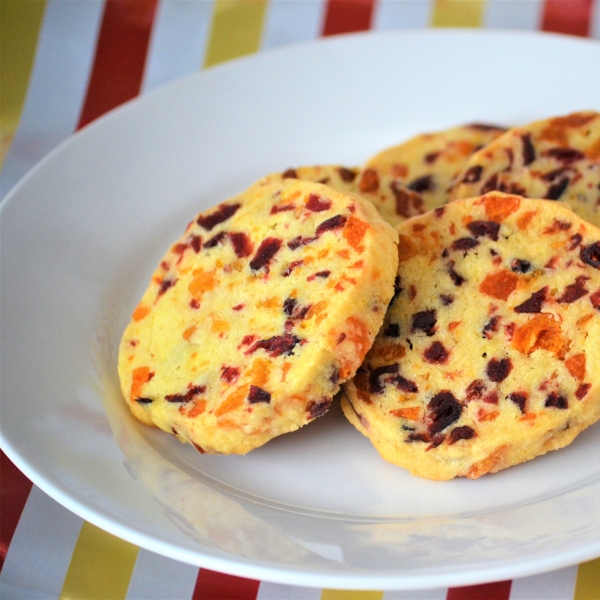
(595, 21)
(438, 594)
(57, 87)
(41, 549)
(158, 577)
(178, 42)
(277, 591)
(557, 585)
(402, 14)
(292, 21)
(513, 14)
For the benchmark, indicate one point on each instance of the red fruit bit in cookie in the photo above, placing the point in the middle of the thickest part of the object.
(242, 245)
(574, 291)
(403, 384)
(291, 267)
(444, 409)
(317, 204)
(436, 354)
(294, 310)
(498, 370)
(257, 394)
(498, 208)
(590, 255)
(473, 174)
(421, 184)
(565, 155)
(499, 285)
(317, 408)
(223, 212)
(369, 182)
(196, 243)
(534, 303)
(230, 374)
(595, 299)
(484, 228)
(266, 251)
(277, 208)
(425, 321)
(215, 239)
(408, 203)
(375, 385)
(466, 243)
(555, 400)
(165, 284)
(188, 396)
(298, 241)
(347, 175)
(519, 398)
(574, 241)
(456, 278)
(336, 222)
(461, 433)
(290, 174)
(556, 190)
(582, 390)
(320, 274)
(491, 327)
(557, 226)
(518, 265)
(476, 390)
(275, 346)
(527, 149)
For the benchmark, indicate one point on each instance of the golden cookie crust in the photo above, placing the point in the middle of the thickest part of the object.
(415, 176)
(489, 353)
(256, 315)
(555, 159)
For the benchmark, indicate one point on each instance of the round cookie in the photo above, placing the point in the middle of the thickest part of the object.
(489, 352)
(555, 159)
(415, 176)
(257, 314)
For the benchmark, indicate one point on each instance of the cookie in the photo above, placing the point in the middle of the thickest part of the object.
(555, 159)
(489, 353)
(415, 176)
(257, 314)
(341, 178)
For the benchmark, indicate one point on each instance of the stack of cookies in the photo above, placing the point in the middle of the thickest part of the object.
(450, 287)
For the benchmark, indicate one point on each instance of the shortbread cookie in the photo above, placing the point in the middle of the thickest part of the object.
(556, 159)
(489, 354)
(415, 176)
(257, 314)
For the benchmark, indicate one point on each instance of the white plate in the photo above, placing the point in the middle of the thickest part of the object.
(82, 233)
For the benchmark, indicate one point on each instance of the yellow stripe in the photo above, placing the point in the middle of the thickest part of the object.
(587, 586)
(236, 29)
(350, 595)
(100, 567)
(20, 24)
(457, 13)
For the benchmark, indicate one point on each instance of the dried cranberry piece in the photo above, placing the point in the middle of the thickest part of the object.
(484, 228)
(528, 149)
(290, 174)
(347, 175)
(464, 432)
(565, 155)
(556, 190)
(534, 303)
(276, 345)
(498, 370)
(595, 299)
(215, 239)
(294, 310)
(317, 204)
(490, 185)
(375, 386)
(457, 279)
(278, 208)
(230, 374)
(165, 284)
(491, 326)
(257, 394)
(406, 385)
(417, 437)
(334, 223)
(188, 396)
(143, 400)
(317, 408)
(298, 241)
(447, 299)
(590, 255)
(424, 320)
(444, 409)
(223, 212)
(574, 291)
(242, 245)
(519, 398)
(266, 251)
(436, 353)
(392, 330)
(196, 243)
(574, 241)
(555, 400)
(473, 174)
(476, 390)
(466, 243)
(421, 184)
(582, 390)
(518, 265)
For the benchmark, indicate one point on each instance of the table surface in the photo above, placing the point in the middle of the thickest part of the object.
(63, 63)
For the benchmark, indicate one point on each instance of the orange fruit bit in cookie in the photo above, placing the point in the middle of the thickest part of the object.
(497, 208)
(233, 401)
(411, 413)
(354, 231)
(202, 282)
(140, 312)
(488, 464)
(140, 377)
(576, 366)
(259, 371)
(541, 332)
(406, 248)
(499, 285)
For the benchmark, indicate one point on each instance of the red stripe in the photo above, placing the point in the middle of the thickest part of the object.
(500, 590)
(14, 490)
(211, 585)
(120, 56)
(345, 16)
(567, 16)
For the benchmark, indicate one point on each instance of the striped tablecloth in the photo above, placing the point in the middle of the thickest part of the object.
(63, 63)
